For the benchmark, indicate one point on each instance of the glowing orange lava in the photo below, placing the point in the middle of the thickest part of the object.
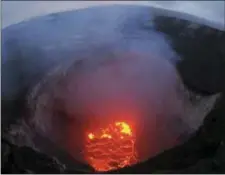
(111, 148)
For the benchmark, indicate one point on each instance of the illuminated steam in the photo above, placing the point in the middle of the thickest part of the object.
(100, 65)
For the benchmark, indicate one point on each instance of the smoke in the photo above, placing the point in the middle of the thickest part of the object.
(119, 71)
(142, 89)
(128, 81)
(139, 88)
(112, 65)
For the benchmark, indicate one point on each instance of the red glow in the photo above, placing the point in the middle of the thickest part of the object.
(111, 148)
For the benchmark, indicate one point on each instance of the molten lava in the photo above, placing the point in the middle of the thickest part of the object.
(111, 148)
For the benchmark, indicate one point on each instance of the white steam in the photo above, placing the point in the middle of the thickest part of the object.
(112, 64)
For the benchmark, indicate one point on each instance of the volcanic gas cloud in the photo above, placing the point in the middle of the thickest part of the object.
(130, 107)
(112, 110)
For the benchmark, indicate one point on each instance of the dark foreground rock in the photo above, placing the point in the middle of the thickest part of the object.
(26, 160)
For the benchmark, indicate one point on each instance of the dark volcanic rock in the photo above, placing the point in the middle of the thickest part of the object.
(202, 50)
(26, 160)
(203, 153)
